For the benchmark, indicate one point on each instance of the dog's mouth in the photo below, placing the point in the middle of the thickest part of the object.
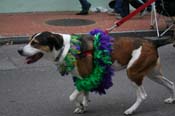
(34, 58)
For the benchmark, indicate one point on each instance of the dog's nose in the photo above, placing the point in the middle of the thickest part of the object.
(20, 51)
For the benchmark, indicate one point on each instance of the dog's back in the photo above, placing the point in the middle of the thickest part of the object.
(122, 49)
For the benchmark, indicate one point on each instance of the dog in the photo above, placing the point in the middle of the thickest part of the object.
(138, 56)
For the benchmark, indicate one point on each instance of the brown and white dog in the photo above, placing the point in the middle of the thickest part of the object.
(139, 56)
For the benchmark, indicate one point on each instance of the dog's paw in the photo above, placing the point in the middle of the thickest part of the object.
(169, 100)
(128, 112)
(85, 102)
(79, 110)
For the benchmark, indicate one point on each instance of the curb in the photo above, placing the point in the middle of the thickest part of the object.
(141, 33)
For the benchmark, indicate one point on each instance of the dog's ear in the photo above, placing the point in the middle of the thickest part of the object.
(87, 42)
(56, 41)
(49, 39)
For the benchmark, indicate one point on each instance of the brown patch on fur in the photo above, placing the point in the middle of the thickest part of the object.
(85, 65)
(34, 41)
(35, 44)
(43, 48)
(87, 43)
(122, 50)
(144, 64)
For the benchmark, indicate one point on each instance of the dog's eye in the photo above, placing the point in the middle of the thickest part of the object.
(34, 43)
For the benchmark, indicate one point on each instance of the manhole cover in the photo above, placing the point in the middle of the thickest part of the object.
(70, 22)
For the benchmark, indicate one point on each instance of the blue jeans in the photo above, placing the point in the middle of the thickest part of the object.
(85, 5)
(118, 6)
(121, 7)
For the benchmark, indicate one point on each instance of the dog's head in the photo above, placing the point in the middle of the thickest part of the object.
(39, 44)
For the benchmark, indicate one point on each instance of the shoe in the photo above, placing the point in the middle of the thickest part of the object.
(88, 7)
(118, 17)
(112, 13)
(82, 13)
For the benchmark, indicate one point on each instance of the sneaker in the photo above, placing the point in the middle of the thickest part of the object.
(118, 17)
(112, 13)
(88, 7)
(82, 13)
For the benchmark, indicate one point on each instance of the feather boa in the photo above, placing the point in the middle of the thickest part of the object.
(101, 76)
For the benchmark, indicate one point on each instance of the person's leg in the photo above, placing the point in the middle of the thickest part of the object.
(118, 6)
(85, 7)
(135, 3)
(149, 8)
(121, 7)
(125, 8)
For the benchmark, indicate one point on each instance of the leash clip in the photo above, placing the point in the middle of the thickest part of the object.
(111, 28)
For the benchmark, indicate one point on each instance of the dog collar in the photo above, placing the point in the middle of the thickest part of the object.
(65, 49)
(87, 53)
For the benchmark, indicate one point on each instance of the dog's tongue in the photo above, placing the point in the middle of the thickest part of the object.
(34, 58)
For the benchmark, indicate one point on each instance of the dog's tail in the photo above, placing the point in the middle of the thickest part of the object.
(161, 42)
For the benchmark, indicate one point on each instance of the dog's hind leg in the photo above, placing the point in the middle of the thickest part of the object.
(141, 96)
(157, 76)
(136, 69)
(136, 78)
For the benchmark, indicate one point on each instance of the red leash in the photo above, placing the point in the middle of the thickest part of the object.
(129, 16)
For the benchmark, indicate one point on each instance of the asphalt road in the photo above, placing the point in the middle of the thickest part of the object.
(39, 90)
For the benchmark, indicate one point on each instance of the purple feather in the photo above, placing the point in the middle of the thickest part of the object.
(105, 44)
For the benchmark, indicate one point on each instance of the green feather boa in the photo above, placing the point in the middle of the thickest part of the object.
(93, 80)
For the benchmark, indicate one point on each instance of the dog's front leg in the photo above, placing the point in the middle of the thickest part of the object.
(80, 106)
(85, 99)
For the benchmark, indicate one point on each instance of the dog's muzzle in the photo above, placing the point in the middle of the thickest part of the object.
(30, 58)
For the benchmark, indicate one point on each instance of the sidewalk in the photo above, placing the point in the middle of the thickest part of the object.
(26, 24)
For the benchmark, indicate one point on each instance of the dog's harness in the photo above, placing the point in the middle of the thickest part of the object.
(63, 52)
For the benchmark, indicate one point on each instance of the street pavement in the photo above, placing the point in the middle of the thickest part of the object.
(39, 90)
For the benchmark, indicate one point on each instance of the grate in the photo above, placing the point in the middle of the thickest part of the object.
(70, 22)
